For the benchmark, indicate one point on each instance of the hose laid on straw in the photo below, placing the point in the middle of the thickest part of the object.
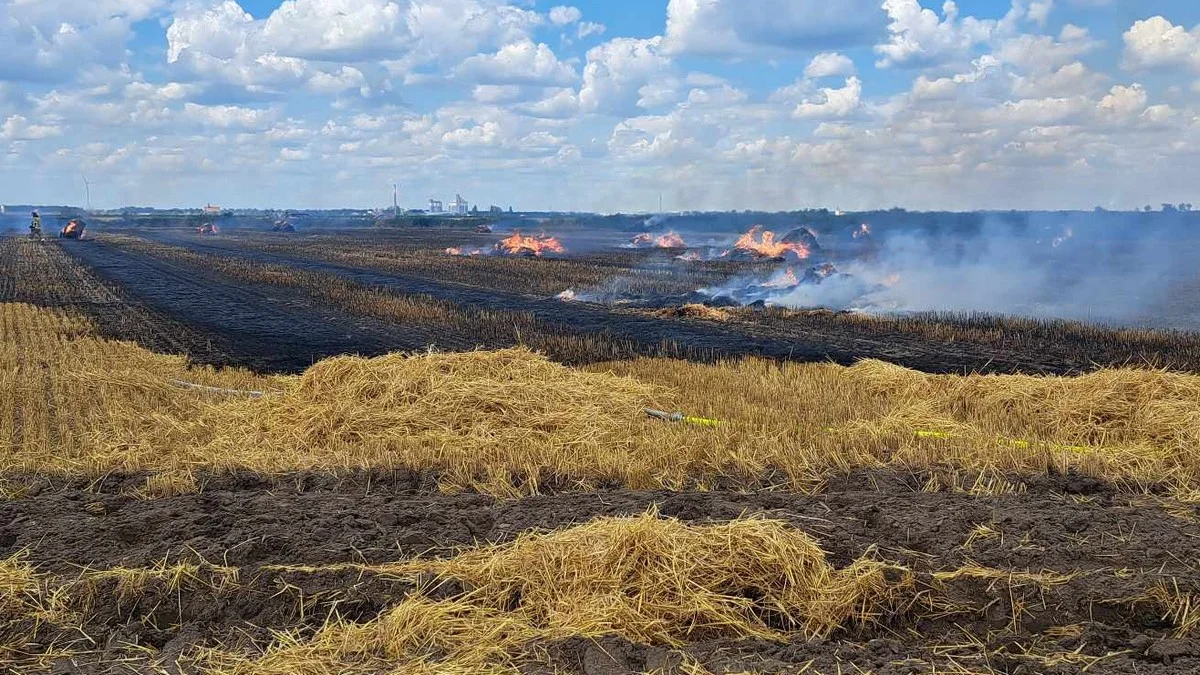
(680, 417)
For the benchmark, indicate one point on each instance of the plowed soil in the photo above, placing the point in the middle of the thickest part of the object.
(1112, 547)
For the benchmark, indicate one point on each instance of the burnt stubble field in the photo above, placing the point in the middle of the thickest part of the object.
(387, 458)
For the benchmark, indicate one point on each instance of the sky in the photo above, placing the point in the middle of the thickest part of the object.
(602, 105)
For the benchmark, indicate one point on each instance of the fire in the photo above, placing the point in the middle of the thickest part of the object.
(458, 250)
(539, 246)
(567, 296)
(690, 256)
(207, 228)
(668, 240)
(787, 280)
(863, 230)
(762, 243)
(671, 240)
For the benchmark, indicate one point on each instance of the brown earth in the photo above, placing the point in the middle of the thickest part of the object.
(1116, 546)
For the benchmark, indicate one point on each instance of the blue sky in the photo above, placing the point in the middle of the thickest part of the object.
(602, 104)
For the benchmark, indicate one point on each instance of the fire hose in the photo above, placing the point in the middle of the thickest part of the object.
(680, 417)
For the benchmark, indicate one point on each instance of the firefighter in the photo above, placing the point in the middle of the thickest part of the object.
(35, 227)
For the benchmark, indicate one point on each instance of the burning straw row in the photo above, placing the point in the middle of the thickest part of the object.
(542, 276)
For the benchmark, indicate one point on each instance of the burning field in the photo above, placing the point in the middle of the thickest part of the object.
(516, 245)
(238, 455)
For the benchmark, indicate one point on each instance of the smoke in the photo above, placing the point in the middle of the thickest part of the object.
(1121, 269)
(10, 223)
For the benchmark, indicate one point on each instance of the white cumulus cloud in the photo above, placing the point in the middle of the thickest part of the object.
(829, 64)
(832, 102)
(1158, 43)
(518, 63)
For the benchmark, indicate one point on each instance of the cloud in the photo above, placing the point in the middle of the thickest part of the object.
(518, 63)
(617, 70)
(53, 40)
(1124, 102)
(1039, 11)
(561, 16)
(829, 64)
(228, 116)
(589, 29)
(1158, 43)
(919, 37)
(307, 40)
(17, 128)
(735, 28)
(832, 102)
(557, 104)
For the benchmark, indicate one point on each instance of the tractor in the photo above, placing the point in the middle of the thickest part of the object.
(73, 230)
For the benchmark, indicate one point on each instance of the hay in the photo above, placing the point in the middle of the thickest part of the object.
(480, 418)
(654, 580)
(647, 579)
(694, 311)
(510, 422)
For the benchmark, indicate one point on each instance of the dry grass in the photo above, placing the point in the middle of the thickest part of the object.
(1139, 428)
(510, 421)
(130, 584)
(28, 607)
(694, 312)
(655, 581)
(1179, 607)
(650, 580)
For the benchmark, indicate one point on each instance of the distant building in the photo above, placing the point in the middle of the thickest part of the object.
(459, 206)
(496, 209)
(435, 206)
(211, 210)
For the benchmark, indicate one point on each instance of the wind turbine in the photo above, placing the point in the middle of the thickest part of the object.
(87, 186)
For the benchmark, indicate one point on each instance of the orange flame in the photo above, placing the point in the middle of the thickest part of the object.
(863, 230)
(762, 243)
(668, 240)
(690, 256)
(207, 228)
(458, 250)
(539, 246)
(788, 280)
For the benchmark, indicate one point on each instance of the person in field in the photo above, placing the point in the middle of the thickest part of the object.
(35, 227)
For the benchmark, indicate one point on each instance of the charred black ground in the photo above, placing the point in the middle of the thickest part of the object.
(286, 329)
